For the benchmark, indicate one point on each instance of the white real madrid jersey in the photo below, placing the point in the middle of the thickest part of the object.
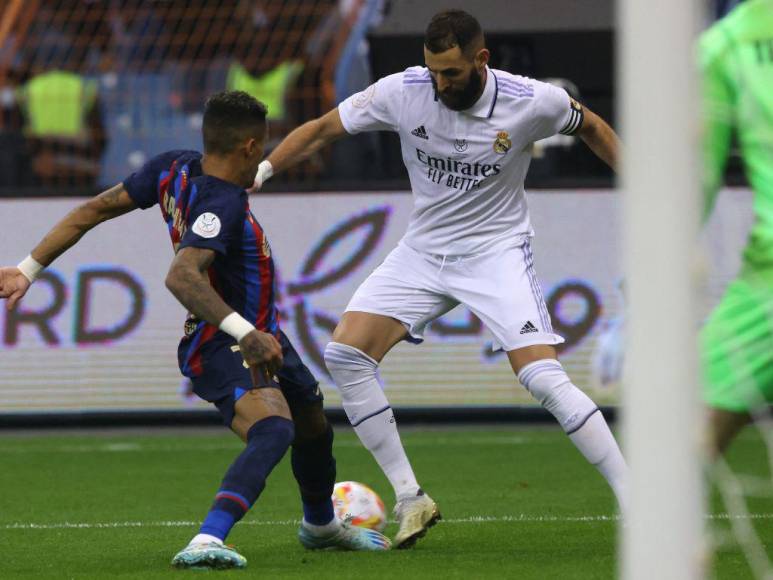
(466, 168)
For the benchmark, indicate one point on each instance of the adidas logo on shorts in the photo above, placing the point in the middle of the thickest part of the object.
(420, 132)
(528, 327)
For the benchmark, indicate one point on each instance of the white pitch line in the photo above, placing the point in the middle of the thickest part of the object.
(139, 447)
(524, 518)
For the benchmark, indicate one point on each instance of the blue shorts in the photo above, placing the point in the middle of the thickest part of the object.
(224, 378)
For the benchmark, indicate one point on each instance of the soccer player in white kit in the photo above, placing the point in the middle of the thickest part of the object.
(466, 133)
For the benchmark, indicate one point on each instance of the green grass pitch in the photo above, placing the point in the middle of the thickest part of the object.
(518, 502)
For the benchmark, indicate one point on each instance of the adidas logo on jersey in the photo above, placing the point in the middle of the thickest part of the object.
(420, 132)
(528, 327)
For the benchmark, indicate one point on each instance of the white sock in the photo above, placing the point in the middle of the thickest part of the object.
(547, 381)
(327, 529)
(596, 442)
(379, 434)
(366, 406)
(205, 539)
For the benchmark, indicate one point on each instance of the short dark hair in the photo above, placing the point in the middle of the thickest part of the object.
(451, 28)
(231, 117)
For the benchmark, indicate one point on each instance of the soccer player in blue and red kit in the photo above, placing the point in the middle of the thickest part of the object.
(223, 274)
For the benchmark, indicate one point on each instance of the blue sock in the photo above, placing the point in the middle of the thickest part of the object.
(267, 442)
(314, 468)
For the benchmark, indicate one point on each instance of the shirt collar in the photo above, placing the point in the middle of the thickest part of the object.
(484, 106)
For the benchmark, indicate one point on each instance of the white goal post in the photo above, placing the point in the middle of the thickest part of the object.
(662, 415)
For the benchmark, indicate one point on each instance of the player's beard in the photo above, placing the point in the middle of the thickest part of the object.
(462, 99)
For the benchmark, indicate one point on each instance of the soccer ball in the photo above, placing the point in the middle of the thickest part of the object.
(358, 504)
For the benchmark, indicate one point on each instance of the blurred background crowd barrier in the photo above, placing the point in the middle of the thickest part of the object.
(99, 330)
(90, 89)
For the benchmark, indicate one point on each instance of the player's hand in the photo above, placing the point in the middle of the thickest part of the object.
(265, 171)
(13, 285)
(261, 349)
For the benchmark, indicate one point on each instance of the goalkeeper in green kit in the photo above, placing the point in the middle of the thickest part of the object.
(737, 342)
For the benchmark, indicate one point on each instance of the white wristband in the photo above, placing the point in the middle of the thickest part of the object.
(31, 268)
(235, 325)
(265, 171)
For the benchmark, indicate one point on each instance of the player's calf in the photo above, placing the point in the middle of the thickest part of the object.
(356, 376)
(547, 382)
(314, 468)
(267, 442)
(580, 418)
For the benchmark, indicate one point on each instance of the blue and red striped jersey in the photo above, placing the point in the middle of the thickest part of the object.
(203, 211)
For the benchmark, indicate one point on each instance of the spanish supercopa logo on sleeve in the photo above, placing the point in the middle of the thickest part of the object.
(207, 225)
(363, 98)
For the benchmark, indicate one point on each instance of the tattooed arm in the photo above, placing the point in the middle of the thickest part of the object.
(189, 282)
(64, 235)
(107, 205)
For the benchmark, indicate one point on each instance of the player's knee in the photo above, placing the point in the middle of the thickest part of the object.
(310, 422)
(349, 367)
(279, 429)
(547, 382)
(314, 440)
(542, 378)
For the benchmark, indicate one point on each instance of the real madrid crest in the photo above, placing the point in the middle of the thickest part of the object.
(503, 143)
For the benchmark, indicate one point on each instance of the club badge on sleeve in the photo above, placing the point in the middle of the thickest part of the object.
(207, 225)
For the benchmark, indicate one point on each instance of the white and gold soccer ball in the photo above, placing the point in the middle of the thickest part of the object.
(357, 503)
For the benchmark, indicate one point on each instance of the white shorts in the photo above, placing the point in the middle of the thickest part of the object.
(499, 286)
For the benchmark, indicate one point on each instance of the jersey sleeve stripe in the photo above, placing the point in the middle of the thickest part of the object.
(512, 83)
(574, 123)
(513, 93)
(191, 200)
(517, 90)
(524, 89)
